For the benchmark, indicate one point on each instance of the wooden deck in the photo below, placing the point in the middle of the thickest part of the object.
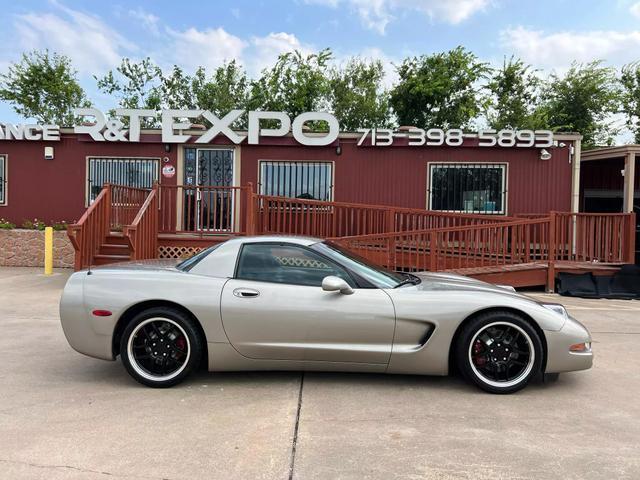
(534, 273)
(134, 224)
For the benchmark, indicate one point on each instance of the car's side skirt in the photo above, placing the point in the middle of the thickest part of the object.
(223, 358)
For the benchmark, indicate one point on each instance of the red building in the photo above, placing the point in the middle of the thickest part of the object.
(481, 204)
(468, 178)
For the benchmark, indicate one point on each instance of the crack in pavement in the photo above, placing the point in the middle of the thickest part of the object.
(78, 469)
(295, 430)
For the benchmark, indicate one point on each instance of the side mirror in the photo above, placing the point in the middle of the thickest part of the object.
(336, 284)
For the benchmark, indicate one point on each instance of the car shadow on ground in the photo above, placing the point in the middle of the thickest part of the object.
(114, 375)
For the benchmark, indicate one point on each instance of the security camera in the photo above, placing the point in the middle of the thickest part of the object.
(544, 154)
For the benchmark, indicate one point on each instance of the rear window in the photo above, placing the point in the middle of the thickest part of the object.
(191, 262)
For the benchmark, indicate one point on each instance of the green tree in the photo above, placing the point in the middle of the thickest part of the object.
(135, 85)
(226, 89)
(439, 90)
(295, 84)
(583, 101)
(43, 86)
(630, 96)
(514, 90)
(357, 95)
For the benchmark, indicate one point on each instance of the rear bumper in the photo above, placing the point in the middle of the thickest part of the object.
(77, 325)
(559, 358)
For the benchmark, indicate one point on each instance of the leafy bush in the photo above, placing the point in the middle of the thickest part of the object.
(6, 224)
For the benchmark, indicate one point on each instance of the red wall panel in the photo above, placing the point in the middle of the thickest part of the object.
(54, 190)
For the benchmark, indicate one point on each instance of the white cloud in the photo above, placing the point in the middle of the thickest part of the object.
(265, 50)
(377, 14)
(558, 50)
(635, 10)
(209, 48)
(91, 44)
(148, 20)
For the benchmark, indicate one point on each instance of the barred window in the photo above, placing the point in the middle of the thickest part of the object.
(469, 188)
(3, 180)
(305, 180)
(132, 172)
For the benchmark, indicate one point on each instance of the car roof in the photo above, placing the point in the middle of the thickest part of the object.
(221, 262)
(306, 241)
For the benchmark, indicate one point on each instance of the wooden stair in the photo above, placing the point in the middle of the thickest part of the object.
(114, 249)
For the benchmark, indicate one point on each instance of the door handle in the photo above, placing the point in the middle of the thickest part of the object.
(246, 293)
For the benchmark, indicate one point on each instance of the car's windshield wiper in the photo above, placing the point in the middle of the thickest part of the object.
(410, 279)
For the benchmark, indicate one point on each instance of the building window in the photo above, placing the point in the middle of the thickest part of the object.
(305, 180)
(468, 188)
(3, 180)
(132, 172)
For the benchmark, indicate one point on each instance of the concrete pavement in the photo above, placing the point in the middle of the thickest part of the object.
(66, 416)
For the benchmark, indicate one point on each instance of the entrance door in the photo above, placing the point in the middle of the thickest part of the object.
(208, 207)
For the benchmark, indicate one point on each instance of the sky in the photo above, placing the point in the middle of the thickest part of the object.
(96, 35)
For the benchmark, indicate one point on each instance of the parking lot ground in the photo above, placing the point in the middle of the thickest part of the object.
(66, 416)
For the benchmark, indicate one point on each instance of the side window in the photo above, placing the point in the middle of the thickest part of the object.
(286, 264)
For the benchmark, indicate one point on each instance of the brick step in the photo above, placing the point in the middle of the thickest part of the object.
(114, 249)
(102, 259)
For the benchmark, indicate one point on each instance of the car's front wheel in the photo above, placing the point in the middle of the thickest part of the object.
(160, 347)
(499, 352)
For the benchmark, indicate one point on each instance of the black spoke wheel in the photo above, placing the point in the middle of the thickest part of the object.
(499, 352)
(160, 347)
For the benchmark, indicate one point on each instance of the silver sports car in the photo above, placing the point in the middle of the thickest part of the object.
(291, 303)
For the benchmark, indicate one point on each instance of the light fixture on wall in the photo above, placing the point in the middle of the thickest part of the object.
(544, 154)
(338, 150)
(167, 147)
(48, 153)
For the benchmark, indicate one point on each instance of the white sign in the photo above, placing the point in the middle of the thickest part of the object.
(175, 122)
(48, 133)
(435, 137)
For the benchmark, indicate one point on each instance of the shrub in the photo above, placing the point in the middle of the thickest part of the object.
(6, 224)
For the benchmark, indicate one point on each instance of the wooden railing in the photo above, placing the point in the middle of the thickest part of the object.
(438, 249)
(89, 232)
(607, 238)
(292, 216)
(400, 238)
(588, 237)
(202, 209)
(142, 234)
(125, 205)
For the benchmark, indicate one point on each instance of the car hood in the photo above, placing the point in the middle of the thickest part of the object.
(452, 282)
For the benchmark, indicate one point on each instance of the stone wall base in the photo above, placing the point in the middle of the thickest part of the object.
(25, 248)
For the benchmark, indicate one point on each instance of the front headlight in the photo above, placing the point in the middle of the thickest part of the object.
(556, 307)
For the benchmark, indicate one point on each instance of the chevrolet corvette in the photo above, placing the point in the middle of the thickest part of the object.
(292, 303)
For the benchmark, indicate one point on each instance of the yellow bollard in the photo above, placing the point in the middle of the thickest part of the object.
(48, 250)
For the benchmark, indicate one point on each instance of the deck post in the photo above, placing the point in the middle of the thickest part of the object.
(631, 239)
(551, 262)
(250, 209)
(433, 251)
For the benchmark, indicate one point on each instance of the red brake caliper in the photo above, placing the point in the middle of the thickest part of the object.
(478, 358)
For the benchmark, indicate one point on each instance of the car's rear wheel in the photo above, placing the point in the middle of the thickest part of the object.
(160, 347)
(499, 352)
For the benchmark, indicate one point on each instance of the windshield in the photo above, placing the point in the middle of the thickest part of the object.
(191, 262)
(379, 276)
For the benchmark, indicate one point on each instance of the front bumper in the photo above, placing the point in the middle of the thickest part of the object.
(559, 358)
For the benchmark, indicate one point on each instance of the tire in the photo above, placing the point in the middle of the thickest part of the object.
(161, 346)
(499, 352)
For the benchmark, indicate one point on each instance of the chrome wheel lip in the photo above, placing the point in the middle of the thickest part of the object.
(134, 362)
(519, 378)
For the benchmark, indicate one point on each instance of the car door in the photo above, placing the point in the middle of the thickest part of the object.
(275, 308)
